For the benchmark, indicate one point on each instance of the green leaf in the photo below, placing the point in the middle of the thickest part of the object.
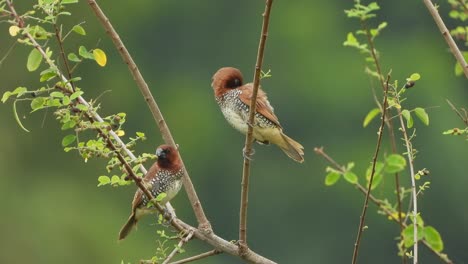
(76, 95)
(433, 238)
(37, 103)
(422, 115)
(57, 94)
(395, 163)
(68, 139)
(415, 76)
(64, 2)
(47, 76)
(350, 177)
(5, 96)
(103, 180)
(370, 116)
(409, 120)
(140, 134)
(79, 30)
(332, 178)
(83, 52)
(17, 117)
(458, 67)
(66, 100)
(34, 60)
(115, 179)
(68, 125)
(408, 235)
(73, 57)
(377, 175)
(160, 197)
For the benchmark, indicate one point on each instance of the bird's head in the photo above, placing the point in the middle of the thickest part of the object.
(225, 79)
(167, 157)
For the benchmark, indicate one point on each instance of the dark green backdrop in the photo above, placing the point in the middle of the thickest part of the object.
(52, 211)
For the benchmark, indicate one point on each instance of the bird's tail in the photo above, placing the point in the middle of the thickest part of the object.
(131, 222)
(293, 149)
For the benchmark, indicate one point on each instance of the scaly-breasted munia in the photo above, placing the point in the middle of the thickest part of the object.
(165, 176)
(233, 97)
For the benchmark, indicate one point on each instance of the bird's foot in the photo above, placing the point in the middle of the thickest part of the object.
(248, 155)
(167, 218)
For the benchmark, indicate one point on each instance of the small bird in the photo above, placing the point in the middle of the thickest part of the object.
(233, 97)
(165, 176)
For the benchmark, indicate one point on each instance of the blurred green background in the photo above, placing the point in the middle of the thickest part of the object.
(52, 211)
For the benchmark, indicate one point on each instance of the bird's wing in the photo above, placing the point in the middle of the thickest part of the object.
(139, 195)
(263, 107)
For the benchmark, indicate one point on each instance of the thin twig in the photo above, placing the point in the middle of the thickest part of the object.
(379, 203)
(58, 36)
(374, 162)
(448, 38)
(153, 106)
(409, 153)
(243, 247)
(463, 118)
(179, 246)
(198, 257)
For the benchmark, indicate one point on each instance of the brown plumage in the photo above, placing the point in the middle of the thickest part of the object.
(234, 99)
(163, 177)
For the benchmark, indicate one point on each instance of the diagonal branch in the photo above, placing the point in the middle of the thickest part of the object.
(243, 248)
(448, 38)
(374, 162)
(197, 257)
(153, 106)
(179, 246)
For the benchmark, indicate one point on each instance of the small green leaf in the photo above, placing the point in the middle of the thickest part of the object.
(57, 94)
(408, 235)
(68, 125)
(5, 96)
(140, 134)
(82, 107)
(409, 120)
(76, 95)
(332, 178)
(37, 103)
(47, 76)
(103, 180)
(73, 57)
(370, 116)
(433, 238)
(395, 163)
(422, 115)
(415, 76)
(68, 139)
(66, 100)
(34, 60)
(160, 197)
(79, 30)
(83, 52)
(350, 177)
(115, 179)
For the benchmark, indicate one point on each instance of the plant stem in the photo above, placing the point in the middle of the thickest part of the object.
(448, 38)
(179, 246)
(198, 257)
(243, 247)
(374, 162)
(154, 108)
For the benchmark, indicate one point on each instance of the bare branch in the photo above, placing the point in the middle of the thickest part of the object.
(374, 162)
(243, 247)
(198, 257)
(153, 106)
(448, 38)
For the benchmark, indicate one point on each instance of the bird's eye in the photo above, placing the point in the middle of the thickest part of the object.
(233, 83)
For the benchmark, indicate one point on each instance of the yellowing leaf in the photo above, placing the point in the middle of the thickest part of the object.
(14, 30)
(120, 133)
(100, 57)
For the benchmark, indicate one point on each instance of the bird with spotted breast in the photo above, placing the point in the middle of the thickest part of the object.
(234, 97)
(165, 176)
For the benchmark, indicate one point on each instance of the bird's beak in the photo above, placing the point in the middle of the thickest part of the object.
(160, 153)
